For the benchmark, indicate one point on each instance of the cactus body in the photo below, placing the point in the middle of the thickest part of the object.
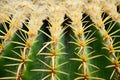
(59, 40)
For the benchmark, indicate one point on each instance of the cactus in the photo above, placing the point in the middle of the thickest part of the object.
(59, 39)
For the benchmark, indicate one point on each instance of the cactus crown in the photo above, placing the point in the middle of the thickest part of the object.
(59, 39)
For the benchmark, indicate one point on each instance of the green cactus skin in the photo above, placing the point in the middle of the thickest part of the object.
(59, 40)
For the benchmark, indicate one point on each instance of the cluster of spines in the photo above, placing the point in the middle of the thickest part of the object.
(81, 41)
(108, 37)
(113, 49)
(19, 17)
(56, 33)
(16, 22)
